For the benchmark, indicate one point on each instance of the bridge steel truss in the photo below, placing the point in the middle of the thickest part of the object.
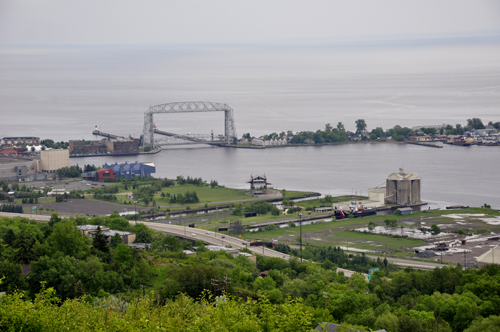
(187, 107)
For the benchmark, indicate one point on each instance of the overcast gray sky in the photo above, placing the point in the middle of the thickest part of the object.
(56, 22)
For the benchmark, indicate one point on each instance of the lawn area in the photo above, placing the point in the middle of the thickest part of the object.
(334, 233)
(205, 194)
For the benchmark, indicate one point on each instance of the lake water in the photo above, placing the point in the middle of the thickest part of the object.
(62, 93)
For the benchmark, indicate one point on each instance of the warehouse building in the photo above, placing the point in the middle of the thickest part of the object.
(123, 145)
(104, 173)
(15, 168)
(87, 147)
(52, 160)
(130, 170)
(403, 188)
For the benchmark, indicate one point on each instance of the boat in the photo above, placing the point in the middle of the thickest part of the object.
(356, 209)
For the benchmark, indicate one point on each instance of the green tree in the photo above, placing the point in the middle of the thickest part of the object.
(340, 126)
(99, 241)
(9, 237)
(171, 243)
(123, 254)
(142, 234)
(238, 209)
(475, 123)
(435, 229)
(115, 240)
(23, 245)
(360, 126)
(54, 218)
(13, 277)
(488, 324)
(67, 239)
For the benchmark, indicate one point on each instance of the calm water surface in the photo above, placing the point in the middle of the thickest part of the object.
(62, 93)
(452, 175)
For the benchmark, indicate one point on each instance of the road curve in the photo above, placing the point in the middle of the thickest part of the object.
(213, 238)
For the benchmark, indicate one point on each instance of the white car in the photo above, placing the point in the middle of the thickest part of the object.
(192, 234)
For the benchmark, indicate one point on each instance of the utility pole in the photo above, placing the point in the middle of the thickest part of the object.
(135, 211)
(325, 295)
(300, 223)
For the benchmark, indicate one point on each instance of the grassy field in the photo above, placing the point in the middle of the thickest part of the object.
(335, 233)
(339, 233)
(214, 195)
(205, 194)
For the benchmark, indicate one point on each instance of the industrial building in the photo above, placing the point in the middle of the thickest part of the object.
(403, 188)
(118, 145)
(15, 168)
(130, 170)
(52, 160)
(87, 147)
(122, 145)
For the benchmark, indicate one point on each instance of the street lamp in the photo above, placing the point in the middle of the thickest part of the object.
(135, 211)
(300, 223)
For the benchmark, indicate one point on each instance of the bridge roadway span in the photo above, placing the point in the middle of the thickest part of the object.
(213, 238)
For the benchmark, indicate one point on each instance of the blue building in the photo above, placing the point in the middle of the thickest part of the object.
(130, 170)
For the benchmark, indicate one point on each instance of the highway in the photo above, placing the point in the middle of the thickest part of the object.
(37, 217)
(414, 264)
(213, 238)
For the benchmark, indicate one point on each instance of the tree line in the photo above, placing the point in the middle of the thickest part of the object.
(90, 274)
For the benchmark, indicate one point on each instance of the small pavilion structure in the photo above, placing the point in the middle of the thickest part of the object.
(258, 184)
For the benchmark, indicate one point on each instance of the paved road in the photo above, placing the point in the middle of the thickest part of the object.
(410, 263)
(213, 238)
(37, 217)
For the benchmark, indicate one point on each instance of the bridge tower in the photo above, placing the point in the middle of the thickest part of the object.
(187, 107)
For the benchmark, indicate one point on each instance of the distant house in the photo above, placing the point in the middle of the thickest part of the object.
(8, 151)
(424, 138)
(127, 237)
(85, 229)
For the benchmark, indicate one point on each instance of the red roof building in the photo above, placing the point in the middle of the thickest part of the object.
(105, 173)
(8, 151)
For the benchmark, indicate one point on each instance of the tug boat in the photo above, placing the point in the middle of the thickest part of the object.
(357, 210)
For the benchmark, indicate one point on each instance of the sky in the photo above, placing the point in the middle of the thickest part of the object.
(105, 22)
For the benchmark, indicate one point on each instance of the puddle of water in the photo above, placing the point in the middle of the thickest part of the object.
(464, 215)
(410, 232)
(491, 221)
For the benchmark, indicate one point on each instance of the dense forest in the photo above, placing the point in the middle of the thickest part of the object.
(78, 283)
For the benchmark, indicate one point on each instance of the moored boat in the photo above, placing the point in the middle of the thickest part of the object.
(357, 210)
